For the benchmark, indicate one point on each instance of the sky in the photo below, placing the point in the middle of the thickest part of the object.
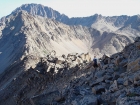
(78, 8)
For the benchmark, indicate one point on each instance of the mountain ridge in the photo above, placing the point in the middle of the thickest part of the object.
(38, 35)
(99, 22)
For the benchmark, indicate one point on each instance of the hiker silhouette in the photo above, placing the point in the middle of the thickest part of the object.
(95, 62)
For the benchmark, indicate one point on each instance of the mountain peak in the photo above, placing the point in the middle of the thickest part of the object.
(38, 9)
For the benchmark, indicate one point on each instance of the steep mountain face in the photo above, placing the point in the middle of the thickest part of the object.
(110, 43)
(12, 41)
(102, 23)
(2, 25)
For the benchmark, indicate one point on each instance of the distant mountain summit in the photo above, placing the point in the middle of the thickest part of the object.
(44, 11)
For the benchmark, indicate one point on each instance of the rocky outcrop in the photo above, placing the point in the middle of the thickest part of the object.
(47, 71)
(133, 56)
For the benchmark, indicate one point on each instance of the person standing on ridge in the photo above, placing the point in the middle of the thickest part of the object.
(95, 63)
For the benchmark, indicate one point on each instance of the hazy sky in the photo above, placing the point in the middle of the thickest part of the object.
(79, 8)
